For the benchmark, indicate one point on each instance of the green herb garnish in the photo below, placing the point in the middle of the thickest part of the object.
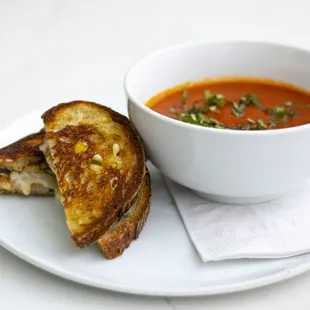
(214, 109)
(250, 100)
(206, 94)
(281, 114)
(261, 124)
(288, 104)
(238, 109)
(245, 101)
(216, 100)
(183, 99)
(198, 113)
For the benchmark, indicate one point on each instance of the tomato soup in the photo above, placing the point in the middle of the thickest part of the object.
(235, 103)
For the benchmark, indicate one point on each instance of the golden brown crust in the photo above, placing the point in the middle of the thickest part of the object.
(122, 233)
(96, 195)
(24, 154)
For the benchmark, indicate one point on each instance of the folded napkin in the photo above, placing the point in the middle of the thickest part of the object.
(275, 229)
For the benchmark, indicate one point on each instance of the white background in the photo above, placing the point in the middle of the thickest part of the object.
(98, 41)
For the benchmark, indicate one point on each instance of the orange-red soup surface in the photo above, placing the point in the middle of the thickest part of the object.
(273, 97)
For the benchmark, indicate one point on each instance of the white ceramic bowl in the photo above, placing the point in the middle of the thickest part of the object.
(223, 165)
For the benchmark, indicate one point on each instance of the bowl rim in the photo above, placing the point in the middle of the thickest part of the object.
(177, 123)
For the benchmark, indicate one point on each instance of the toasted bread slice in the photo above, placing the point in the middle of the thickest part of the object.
(99, 161)
(120, 235)
(23, 169)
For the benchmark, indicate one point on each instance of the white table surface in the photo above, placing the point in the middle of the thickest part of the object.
(98, 41)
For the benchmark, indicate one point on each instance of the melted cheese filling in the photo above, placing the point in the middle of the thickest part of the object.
(22, 181)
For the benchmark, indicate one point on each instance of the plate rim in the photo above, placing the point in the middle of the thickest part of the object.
(279, 276)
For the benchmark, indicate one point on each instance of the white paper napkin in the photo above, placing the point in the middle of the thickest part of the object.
(275, 229)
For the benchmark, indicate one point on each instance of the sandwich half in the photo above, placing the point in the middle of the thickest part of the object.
(99, 162)
(24, 158)
(23, 169)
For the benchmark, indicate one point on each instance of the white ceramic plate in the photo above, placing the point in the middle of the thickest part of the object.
(162, 262)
